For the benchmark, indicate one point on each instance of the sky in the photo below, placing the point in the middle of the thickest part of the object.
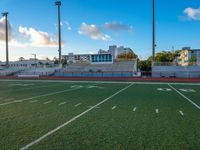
(90, 25)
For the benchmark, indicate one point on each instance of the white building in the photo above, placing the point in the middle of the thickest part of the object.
(186, 56)
(28, 63)
(116, 51)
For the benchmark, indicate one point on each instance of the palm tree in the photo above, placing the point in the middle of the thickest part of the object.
(21, 59)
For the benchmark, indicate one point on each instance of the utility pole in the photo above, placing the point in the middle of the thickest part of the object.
(5, 14)
(58, 3)
(153, 32)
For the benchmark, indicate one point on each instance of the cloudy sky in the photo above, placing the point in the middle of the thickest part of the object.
(88, 25)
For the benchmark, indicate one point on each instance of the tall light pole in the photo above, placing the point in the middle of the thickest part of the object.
(5, 14)
(58, 3)
(153, 32)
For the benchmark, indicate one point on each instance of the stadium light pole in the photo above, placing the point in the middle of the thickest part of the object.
(58, 3)
(5, 14)
(153, 32)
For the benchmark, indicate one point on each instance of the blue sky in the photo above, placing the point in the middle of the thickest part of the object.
(88, 25)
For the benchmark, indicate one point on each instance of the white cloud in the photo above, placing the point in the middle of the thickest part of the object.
(38, 38)
(192, 13)
(2, 30)
(118, 27)
(69, 28)
(93, 32)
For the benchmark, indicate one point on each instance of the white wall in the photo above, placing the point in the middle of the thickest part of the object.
(176, 71)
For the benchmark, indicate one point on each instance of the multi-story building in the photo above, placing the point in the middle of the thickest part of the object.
(103, 56)
(116, 51)
(72, 58)
(29, 63)
(188, 56)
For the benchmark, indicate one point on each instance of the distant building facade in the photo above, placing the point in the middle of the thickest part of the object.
(102, 57)
(116, 51)
(187, 54)
(29, 63)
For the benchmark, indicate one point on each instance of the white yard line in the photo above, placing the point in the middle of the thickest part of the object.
(114, 107)
(189, 100)
(29, 88)
(34, 101)
(18, 101)
(63, 103)
(134, 109)
(47, 102)
(92, 106)
(77, 104)
(73, 119)
(39, 96)
(157, 111)
(182, 114)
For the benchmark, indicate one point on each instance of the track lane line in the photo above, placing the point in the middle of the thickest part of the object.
(189, 100)
(73, 119)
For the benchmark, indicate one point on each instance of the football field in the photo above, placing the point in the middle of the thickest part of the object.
(65, 115)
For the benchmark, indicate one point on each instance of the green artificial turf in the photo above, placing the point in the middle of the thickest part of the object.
(103, 127)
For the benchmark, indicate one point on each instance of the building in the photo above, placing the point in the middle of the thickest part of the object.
(116, 51)
(102, 57)
(187, 56)
(72, 58)
(28, 63)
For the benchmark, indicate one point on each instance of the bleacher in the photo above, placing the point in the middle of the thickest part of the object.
(36, 72)
(10, 71)
(117, 69)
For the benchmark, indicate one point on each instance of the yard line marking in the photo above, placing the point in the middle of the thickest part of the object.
(18, 101)
(73, 119)
(77, 104)
(29, 88)
(34, 101)
(157, 111)
(91, 106)
(181, 113)
(114, 107)
(189, 100)
(44, 95)
(62, 104)
(47, 102)
(134, 109)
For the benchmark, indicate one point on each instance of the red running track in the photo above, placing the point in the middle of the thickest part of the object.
(188, 80)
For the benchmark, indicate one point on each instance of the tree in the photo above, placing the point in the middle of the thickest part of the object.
(48, 59)
(145, 65)
(55, 60)
(126, 56)
(193, 60)
(21, 59)
(165, 56)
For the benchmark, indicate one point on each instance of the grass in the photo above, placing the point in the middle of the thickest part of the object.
(102, 128)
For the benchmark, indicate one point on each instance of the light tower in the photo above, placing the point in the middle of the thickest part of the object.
(153, 32)
(5, 14)
(58, 3)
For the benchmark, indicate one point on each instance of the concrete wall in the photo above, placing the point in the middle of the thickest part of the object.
(176, 71)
